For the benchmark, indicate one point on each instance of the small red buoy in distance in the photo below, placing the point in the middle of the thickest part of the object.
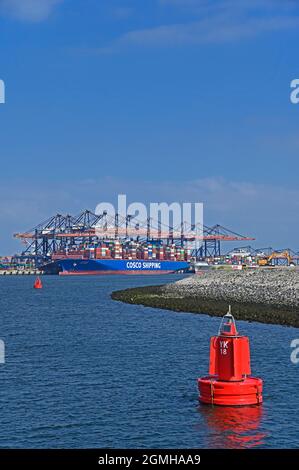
(38, 283)
(229, 382)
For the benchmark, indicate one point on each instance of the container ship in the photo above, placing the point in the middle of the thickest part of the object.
(115, 257)
(113, 244)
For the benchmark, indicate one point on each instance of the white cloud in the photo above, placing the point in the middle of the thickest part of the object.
(28, 10)
(221, 4)
(212, 21)
(219, 29)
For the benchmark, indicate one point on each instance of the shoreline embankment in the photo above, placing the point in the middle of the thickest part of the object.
(263, 295)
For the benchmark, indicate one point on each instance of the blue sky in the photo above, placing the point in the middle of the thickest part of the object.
(164, 100)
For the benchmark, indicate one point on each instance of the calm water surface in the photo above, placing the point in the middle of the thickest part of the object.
(84, 371)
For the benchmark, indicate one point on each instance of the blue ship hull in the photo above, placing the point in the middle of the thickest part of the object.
(72, 266)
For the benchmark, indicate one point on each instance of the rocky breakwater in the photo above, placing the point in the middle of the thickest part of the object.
(263, 294)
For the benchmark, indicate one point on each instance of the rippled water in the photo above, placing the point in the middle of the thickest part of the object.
(84, 371)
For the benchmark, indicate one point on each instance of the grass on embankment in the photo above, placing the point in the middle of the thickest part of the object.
(156, 297)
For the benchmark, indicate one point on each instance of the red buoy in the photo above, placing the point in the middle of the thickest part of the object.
(38, 283)
(228, 382)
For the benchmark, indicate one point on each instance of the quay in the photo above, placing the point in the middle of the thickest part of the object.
(21, 272)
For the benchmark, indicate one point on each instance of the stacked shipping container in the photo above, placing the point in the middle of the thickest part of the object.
(115, 249)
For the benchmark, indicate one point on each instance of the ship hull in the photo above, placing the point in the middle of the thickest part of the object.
(75, 267)
(103, 273)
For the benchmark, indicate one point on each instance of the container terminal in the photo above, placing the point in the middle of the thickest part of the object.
(105, 244)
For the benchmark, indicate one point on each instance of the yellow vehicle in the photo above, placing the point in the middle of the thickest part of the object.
(263, 261)
(276, 255)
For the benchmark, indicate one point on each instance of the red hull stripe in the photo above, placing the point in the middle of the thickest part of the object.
(97, 273)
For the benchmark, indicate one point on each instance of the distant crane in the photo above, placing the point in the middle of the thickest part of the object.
(61, 232)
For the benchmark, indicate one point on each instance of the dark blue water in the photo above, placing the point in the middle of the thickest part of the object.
(84, 371)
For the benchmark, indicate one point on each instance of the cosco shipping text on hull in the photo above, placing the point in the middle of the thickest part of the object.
(68, 267)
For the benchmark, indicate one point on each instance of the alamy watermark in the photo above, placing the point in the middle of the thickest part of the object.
(2, 92)
(295, 352)
(294, 96)
(2, 352)
(163, 218)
